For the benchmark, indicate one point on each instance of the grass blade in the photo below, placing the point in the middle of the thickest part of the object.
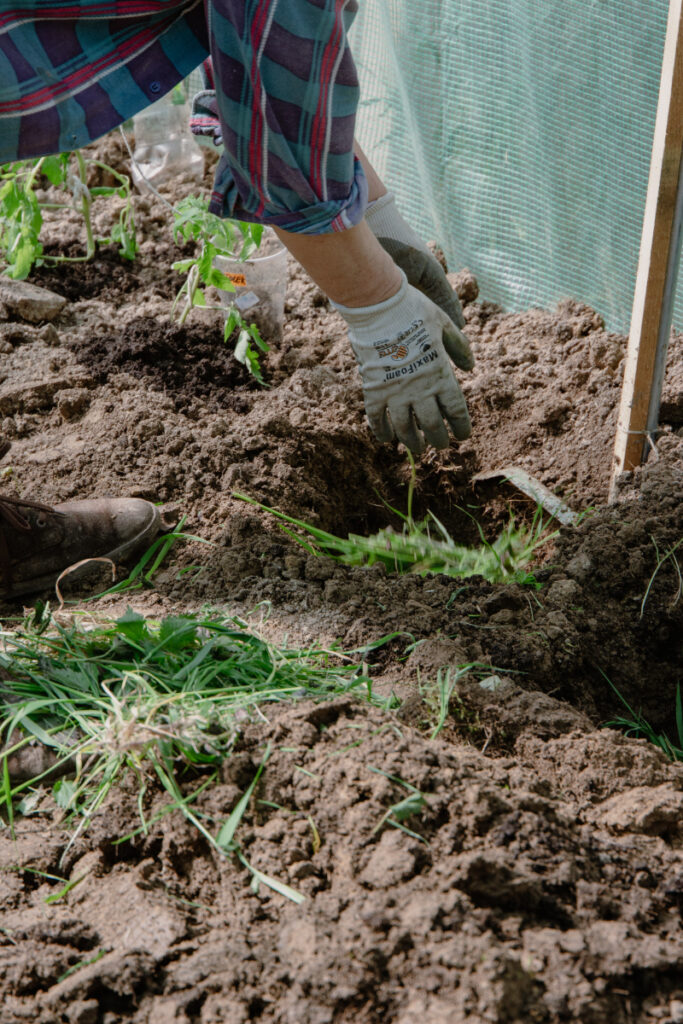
(7, 794)
(226, 834)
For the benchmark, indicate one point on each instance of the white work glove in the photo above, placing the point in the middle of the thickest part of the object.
(409, 252)
(403, 347)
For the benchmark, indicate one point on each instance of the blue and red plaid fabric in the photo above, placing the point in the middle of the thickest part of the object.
(285, 83)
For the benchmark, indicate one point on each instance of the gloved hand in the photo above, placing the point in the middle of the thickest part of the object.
(403, 347)
(204, 121)
(409, 252)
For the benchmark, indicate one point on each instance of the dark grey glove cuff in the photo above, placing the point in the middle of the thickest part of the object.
(425, 273)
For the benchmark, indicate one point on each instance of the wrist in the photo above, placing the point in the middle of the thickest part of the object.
(350, 266)
(375, 206)
(381, 215)
(357, 316)
(388, 224)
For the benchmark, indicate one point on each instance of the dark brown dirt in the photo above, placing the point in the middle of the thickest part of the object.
(546, 886)
(544, 881)
(173, 359)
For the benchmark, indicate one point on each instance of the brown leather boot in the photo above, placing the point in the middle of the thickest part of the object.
(37, 542)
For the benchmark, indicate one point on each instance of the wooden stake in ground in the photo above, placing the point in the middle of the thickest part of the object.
(660, 256)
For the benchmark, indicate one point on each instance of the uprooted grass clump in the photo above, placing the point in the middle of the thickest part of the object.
(149, 699)
(425, 546)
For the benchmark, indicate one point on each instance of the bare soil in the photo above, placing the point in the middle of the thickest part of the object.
(544, 881)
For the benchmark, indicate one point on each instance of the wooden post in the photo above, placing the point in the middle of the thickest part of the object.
(660, 255)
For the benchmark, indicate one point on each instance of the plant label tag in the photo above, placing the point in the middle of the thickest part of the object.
(247, 301)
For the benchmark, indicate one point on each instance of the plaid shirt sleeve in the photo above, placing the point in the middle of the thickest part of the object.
(70, 72)
(285, 82)
(286, 98)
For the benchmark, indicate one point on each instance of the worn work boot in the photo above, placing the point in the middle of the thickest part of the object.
(38, 542)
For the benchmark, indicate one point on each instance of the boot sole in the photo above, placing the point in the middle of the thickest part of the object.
(116, 555)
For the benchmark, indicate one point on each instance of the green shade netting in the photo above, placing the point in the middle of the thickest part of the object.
(517, 133)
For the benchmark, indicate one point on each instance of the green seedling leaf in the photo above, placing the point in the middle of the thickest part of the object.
(403, 809)
(64, 791)
(82, 963)
(232, 321)
(182, 266)
(226, 834)
(24, 255)
(21, 216)
(205, 261)
(200, 657)
(177, 633)
(255, 232)
(255, 335)
(124, 236)
(57, 897)
(410, 805)
(218, 279)
(8, 197)
(273, 883)
(394, 778)
(54, 168)
(408, 831)
(38, 731)
(133, 626)
(19, 717)
(83, 677)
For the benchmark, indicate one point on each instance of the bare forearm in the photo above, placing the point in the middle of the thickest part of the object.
(351, 267)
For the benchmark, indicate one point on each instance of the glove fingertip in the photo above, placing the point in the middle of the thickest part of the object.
(454, 411)
(458, 348)
(454, 311)
(380, 426)
(414, 444)
(461, 426)
(406, 428)
(430, 420)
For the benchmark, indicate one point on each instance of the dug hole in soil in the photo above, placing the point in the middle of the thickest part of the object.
(544, 881)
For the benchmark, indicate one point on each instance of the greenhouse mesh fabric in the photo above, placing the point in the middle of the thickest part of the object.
(518, 135)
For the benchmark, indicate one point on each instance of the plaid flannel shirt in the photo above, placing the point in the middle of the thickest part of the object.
(285, 84)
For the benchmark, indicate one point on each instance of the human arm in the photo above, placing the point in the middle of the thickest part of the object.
(403, 342)
(405, 246)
